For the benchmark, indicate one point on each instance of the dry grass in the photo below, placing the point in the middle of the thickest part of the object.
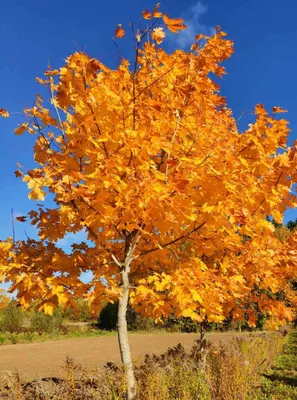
(232, 373)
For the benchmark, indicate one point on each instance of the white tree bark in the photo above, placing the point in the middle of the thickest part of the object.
(123, 335)
(122, 315)
(203, 346)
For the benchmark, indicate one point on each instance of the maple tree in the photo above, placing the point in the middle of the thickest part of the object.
(148, 159)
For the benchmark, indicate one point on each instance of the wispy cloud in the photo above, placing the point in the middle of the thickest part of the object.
(193, 19)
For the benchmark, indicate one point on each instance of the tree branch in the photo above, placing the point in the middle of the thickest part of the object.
(173, 241)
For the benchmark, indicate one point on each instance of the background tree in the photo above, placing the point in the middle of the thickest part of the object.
(4, 299)
(291, 225)
(144, 158)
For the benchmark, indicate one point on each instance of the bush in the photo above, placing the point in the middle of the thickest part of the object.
(174, 324)
(83, 310)
(80, 313)
(12, 318)
(234, 368)
(41, 322)
(108, 317)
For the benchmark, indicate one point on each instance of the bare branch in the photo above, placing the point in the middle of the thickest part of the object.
(57, 111)
(12, 223)
(151, 84)
(117, 262)
(172, 140)
(164, 245)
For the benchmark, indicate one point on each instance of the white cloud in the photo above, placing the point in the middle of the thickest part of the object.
(184, 39)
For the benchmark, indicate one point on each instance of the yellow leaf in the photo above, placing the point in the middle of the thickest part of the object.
(207, 209)
(48, 308)
(189, 313)
(196, 296)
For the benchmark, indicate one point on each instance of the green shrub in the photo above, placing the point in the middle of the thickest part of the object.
(81, 312)
(12, 318)
(174, 324)
(41, 322)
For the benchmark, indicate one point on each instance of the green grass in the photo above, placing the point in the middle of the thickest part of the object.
(280, 383)
(29, 337)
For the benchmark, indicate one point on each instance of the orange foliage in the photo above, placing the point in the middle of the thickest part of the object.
(4, 299)
(150, 159)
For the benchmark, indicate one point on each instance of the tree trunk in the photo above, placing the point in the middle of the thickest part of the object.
(123, 335)
(203, 345)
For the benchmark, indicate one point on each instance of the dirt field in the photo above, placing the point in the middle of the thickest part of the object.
(45, 359)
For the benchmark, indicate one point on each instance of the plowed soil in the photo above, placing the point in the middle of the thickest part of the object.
(46, 359)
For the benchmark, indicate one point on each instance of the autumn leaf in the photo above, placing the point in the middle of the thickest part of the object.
(278, 110)
(155, 14)
(199, 37)
(174, 25)
(4, 113)
(21, 218)
(158, 35)
(18, 173)
(21, 129)
(48, 308)
(146, 14)
(119, 31)
(260, 110)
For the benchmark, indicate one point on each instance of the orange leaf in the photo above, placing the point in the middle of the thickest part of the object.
(119, 31)
(21, 129)
(18, 173)
(156, 13)
(277, 109)
(174, 24)
(260, 110)
(21, 218)
(146, 14)
(199, 37)
(158, 35)
(4, 113)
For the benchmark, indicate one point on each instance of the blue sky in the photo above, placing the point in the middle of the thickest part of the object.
(34, 33)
